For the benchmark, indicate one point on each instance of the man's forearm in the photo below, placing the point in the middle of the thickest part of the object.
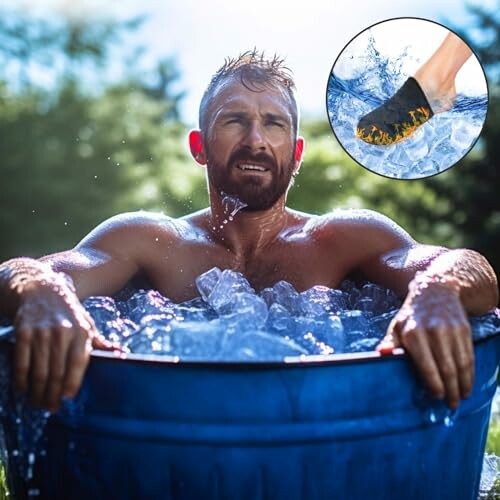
(19, 273)
(468, 273)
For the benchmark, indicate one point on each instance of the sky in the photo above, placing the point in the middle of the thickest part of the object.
(201, 34)
(410, 53)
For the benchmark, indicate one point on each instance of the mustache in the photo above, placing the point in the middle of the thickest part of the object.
(245, 155)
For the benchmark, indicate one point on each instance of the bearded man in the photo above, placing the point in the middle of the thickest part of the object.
(249, 143)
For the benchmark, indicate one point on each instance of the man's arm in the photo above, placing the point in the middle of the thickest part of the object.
(441, 286)
(54, 333)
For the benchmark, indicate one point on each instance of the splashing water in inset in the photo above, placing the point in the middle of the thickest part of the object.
(432, 148)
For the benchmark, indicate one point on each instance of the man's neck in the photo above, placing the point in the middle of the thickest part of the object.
(245, 233)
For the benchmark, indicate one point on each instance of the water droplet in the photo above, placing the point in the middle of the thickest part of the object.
(448, 422)
(15, 453)
(156, 239)
(221, 226)
(109, 157)
(231, 218)
(65, 223)
(232, 204)
(123, 142)
(431, 416)
(224, 221)
(95, 176)
(117, 164)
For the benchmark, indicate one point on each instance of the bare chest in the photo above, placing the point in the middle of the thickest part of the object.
(301, 264)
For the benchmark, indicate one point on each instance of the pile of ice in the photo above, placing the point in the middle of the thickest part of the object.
(230, 321)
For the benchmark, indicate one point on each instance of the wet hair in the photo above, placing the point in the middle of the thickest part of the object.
(256, 73)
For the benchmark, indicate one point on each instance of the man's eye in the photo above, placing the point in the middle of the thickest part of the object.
(276, 124)
(233, 120)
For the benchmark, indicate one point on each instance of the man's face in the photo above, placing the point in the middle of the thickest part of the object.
(249, 144)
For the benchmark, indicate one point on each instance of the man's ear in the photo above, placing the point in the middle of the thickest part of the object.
(196, 147)
(299, 152)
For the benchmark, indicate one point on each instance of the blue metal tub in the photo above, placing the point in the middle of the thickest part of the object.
(349, 427)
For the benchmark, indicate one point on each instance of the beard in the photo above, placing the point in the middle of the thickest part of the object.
(256, 192)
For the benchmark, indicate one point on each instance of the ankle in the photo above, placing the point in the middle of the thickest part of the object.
(438, 88)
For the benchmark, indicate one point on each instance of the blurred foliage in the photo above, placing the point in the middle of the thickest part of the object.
(73, 154)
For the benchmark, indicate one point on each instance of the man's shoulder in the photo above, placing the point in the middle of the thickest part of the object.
(142, 220)
(355, 218)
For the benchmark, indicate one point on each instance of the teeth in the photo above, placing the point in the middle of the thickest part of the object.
(252, 167)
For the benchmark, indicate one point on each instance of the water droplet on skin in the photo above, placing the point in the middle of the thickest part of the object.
(231, 217)
(232, 204)
(221, 226)
(224, 221)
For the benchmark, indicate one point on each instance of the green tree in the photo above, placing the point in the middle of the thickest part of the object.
(72, 157)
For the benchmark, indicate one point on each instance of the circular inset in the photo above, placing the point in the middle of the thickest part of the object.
(407, 98)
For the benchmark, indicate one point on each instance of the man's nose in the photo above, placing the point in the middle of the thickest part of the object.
(255, 138)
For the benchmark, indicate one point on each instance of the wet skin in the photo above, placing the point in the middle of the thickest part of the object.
(55, 334)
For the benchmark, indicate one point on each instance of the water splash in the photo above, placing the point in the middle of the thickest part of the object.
(232, 205)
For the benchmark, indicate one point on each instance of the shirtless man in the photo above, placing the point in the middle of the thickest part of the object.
(248, 141)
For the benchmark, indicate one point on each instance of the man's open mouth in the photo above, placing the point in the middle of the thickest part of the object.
(252, 167)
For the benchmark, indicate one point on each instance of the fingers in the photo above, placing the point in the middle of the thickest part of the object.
(78, 358)
(22, 357)
(416, 344)
(50, 361)
(59, 347)
(443, 356)
(464, 355)
(40, 354)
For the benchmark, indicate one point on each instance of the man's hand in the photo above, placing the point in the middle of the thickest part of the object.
(432, 327)
(54, 337)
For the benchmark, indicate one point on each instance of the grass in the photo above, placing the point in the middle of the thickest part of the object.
(4, 491)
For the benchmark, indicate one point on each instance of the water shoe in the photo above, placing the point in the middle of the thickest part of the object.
(397, 118)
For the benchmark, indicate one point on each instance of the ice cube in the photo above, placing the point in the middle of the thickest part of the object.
(230, 282)
(315, 301)
(363, 345)
(206, 282)
(260, 346)
(146, 302)
(286, 295)
(416, 150)
(356, 325)
(279, 319)
(102, 310)
(247, 310)
(194, 340)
